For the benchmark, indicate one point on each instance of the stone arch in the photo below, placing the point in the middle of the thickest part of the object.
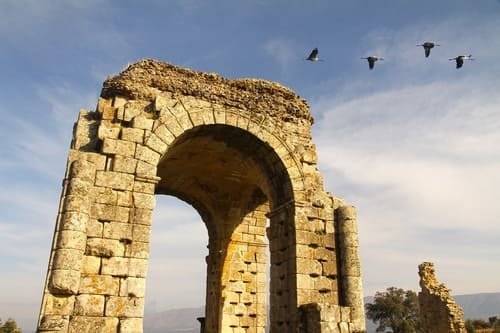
(247, 180)
(154, 125)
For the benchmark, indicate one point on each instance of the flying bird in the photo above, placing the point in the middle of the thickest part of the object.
(314, 55)
(427, 47)
(460, 59)
(371, 60)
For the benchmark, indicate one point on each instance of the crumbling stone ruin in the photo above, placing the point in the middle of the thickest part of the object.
(438, 311)
(239, 152)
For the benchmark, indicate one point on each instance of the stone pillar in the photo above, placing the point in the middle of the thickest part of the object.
(351, 293)
(213, 292)
(243, 275)
(283, 282)
(324, 318)
(69, 246)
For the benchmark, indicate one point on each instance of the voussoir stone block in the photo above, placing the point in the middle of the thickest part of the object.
(145, 169)
(164, 134)
(155, 143)
(146, 154)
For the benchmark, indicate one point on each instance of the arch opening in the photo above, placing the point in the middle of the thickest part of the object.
(234, 181)
(176, 273)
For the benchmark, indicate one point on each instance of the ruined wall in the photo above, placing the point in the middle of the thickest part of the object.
(438, 311)
(238, 151)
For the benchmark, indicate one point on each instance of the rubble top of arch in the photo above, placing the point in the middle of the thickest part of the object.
(147, 78)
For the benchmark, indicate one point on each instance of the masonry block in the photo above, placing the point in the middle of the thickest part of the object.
(130, 325)
(133, 287)
(89, 305)
(79, 324)
(107, 248)
(98, 284)
(118, 306)
(132, 135)
(115, 180)
(118, 147)
(60, 305)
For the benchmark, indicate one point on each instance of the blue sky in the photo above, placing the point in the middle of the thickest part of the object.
(413, 144)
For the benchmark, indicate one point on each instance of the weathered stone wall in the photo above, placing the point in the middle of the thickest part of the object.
(238, 151)
(439, 312)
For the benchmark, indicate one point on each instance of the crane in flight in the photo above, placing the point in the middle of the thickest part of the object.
(314, 56)
(427, 47)
(460, 59)
(371, 60)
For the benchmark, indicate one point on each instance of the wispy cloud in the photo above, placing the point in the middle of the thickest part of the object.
(282, 51)
(31, 166)
(421, 161)
(65, 101)
(457, 35)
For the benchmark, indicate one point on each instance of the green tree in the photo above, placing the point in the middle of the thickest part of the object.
(396, 309)
(480, 324)
(495, 324)
(10, 326)
(471, 325)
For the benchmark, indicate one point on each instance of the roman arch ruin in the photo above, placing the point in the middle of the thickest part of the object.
(239, 152)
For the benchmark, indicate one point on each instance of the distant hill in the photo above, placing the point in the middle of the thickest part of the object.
(479, 305)
(174, 321)
(475, 306)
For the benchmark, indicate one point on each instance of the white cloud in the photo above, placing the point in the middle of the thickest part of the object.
(65, 101)
(282, 51)
(420, 161)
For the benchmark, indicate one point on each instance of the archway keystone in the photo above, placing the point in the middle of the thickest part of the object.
(239, 152)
